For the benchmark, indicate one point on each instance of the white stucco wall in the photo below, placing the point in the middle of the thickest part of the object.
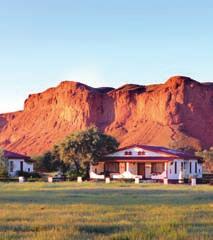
(186, 169)
(27, 166)
(135, 151)
(193, 173)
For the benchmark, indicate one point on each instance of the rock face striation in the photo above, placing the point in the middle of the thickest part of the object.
(179, 112)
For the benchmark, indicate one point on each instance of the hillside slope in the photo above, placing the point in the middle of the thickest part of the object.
(179, 111)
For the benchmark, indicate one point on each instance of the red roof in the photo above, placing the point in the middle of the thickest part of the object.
(171, 152)
(14, 155)
(138, 159)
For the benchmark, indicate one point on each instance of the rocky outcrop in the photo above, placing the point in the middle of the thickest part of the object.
(177, 112)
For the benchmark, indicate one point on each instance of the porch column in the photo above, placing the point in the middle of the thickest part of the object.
(127, 166)
(166, 168)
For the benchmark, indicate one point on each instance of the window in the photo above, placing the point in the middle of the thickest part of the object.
(21, 166)
(112, 167)
(141, 153)
(190, 167)
(181, 166)
(175, 167)
(157, 167)
(195, 167)
(28, 169)
(128, 153)
(11, 166)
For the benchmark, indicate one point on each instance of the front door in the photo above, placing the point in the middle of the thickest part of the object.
(141, 169)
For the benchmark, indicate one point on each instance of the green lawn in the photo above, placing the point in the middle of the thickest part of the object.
(118, 211)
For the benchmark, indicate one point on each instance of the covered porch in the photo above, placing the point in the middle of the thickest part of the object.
(154, 170)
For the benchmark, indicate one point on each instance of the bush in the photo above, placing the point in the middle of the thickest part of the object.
(3, 165)
(3, 172)
(73, 175)
(36, 180)
(207, 155)
(28, 174)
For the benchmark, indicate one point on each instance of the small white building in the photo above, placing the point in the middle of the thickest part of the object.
(148, 162)
(18, 162)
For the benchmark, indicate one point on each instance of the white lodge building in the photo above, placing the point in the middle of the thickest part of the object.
(18, 162)
(148, 162)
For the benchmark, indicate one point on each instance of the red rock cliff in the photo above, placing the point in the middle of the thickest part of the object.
(179, 111)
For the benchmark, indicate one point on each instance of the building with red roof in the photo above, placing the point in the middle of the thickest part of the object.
(148, 162)
(18, 163)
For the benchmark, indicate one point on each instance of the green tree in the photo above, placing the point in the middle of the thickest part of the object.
(43, 162)
(49, 161)
(57, 163)
(3, 164)
(207, 155)
(82, 148)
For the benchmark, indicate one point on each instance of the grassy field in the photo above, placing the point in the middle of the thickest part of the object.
(118, 211)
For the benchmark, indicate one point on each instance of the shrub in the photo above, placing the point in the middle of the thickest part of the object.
(28, 174)
(3, 165)
(72, 174)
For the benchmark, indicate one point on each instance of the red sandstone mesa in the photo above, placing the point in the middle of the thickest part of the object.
(181, 110)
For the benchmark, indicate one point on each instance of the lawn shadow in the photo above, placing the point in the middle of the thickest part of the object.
(107, 197)
(101, 229)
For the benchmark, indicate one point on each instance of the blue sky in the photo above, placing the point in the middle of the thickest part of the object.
(101, 43)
